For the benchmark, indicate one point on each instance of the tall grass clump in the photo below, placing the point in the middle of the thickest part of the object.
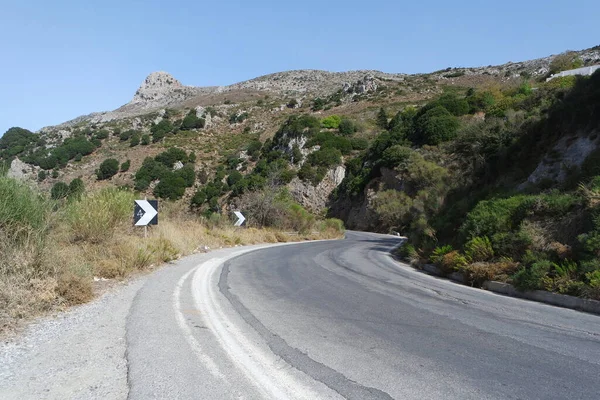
(24, 223)
(95, 218)
(25, 218)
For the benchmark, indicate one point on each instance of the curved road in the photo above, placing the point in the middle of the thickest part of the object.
(341, 319)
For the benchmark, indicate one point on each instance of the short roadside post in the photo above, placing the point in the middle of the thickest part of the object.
(145, 213)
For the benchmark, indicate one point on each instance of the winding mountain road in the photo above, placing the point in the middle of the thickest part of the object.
(342, 319)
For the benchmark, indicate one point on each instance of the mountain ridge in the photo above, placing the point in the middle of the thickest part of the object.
(162, 90)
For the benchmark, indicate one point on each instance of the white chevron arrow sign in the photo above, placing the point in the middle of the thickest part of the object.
(240, 217)
(145, 212)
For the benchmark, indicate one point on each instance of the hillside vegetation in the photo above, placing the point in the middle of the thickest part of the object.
(465, 201)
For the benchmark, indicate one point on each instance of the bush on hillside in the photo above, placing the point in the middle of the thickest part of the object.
(191, 121)
(170, 187)
(435, 126)
(479, 249)
(107, 169)
(125, 166)
(60, 190)
(326, 157)
(347, 127)
(76, 188)
(331, 122)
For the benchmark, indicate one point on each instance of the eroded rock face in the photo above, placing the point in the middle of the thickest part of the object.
(568, 153)
(315, 198)
(20, 170)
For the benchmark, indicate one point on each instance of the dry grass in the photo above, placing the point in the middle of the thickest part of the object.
(477, 273)
(49, 269)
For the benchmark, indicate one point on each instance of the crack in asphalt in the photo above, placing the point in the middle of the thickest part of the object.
(333, 379)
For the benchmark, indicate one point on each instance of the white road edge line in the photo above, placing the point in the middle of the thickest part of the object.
(187, 332)
(258, 365)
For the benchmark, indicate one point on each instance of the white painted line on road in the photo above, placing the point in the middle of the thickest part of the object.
(261, 367)
(189, 337)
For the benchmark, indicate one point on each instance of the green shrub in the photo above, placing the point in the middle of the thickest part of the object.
(455, 105)
(395, 156)
(145, 140)
(532, 278)
(299, 219)
(337, 225)
(325, 157)
(135, 140)
(435, 126)
(42, 176)
(101, 134)
(347, 127)
(359, 143)
(234, 177)
(492, 216)
(107, 169)
(191, 121)
(331, 122)
(512, 245)
(126, 135)
(59, 190)
(452, 261)
(479, 249)
(76, 188)
(125, 166)
(160, 130)
(199, 198)
(188, 174)
(438, 254)
(171, 156)
(170, 187)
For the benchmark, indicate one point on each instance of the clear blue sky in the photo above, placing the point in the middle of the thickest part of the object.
(64, 58)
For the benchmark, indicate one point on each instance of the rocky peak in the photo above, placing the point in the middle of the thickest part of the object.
(161, 88)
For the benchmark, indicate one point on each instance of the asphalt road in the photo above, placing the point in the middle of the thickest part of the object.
(320, 320)
(343, 320)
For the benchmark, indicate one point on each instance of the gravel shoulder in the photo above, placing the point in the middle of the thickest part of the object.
(77, 354)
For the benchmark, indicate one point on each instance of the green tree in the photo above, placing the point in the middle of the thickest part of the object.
(145, 140)
(107, 169)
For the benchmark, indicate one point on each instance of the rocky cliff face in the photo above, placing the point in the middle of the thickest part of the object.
(316, 198)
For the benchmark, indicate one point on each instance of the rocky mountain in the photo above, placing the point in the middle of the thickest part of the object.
(161, 90)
